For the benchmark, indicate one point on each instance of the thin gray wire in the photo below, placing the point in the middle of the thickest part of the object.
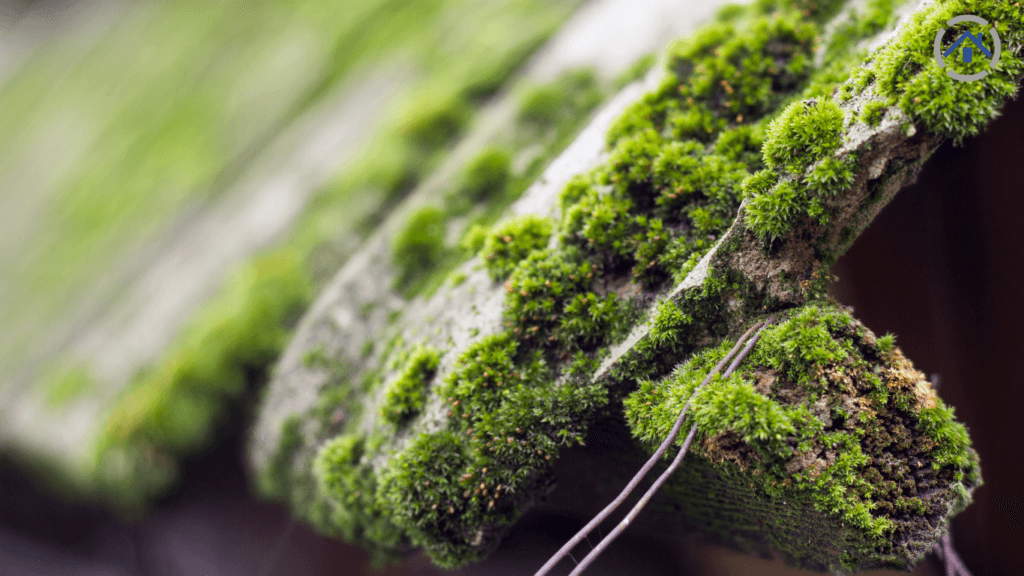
(596, 521)
(621, 527)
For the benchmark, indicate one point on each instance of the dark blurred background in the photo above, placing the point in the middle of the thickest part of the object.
(942, 268)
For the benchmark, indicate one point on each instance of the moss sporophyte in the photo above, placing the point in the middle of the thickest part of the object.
(726, 194)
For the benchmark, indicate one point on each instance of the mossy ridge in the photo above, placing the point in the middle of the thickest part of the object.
(506, 417)
(134, 458)
(406, 393)
(547, 117)
(336, 413)
(905, 68)
(537, 342)
(176, 407)
(824, 414)
(902, 77)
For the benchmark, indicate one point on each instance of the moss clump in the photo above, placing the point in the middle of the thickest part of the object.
(819, 413)
(505, 246)
(546, 107)
(636, 71)
(725, 74)
(487, 175)
(806, 133)
(64, 384)
(348, 486)
(173, 406)
(873, 112)
(437, 124)
(457, 490)
(906, 71)
(406, 393)
(419, 245)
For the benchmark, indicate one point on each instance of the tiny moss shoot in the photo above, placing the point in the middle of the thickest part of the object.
(507, 245)
(487, 175)
(420, 244)
(406, 393)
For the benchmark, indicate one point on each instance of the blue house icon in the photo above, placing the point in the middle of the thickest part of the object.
(967, 49)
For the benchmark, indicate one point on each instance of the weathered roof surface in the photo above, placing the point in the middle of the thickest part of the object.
(524, 364)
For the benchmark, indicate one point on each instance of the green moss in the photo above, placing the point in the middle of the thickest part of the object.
(63, 385)
(952, 444)
(878, 15)
(546, 107)
(505, 246)
(804, 133)
(226, 347)
(437, 124)
(348, 486)
(730, 12)
(456, 491)
(873, 112)
(636, 71)
(419, 245)
(907, 71)
(274, 480)
(802, 420)
(406, 393)
(681, 160)
(830, 177)
(772, 214)
(487, 175)
(174, 405)
(887, 343)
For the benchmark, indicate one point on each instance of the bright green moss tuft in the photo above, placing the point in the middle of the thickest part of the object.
(406, 393)
(952, 444)
(505, 246)
(732, 405)
(63, 385)
(636, 71)
(347, 486)
(830, 177)
(742, 144)
(730, 12)
(800, 347)
(772, 214)
(806, 133)
(436, 125)
(907, 71)
(873, 112)
(725, 75)
(887, 343)
(803, 134)
(487, 175)
(420, 244)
